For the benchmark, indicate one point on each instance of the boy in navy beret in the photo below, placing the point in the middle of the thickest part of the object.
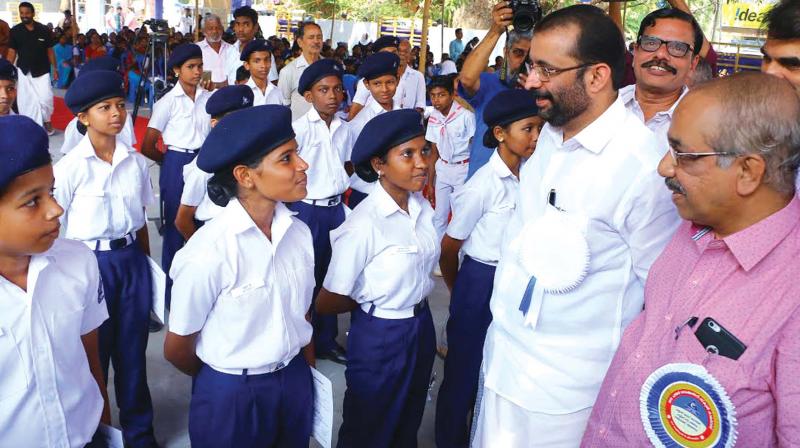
(257, 58)
(52, 304)
(386, 44)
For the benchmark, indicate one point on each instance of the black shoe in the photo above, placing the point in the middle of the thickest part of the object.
(336, 354)
(155, 325)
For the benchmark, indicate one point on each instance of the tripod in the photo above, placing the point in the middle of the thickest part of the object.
(158, 40)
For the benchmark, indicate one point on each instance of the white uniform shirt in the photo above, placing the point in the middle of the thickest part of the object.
(246, 295)
(325, 150)
(232, 63)
(195, 192)
(482, 208)
(72, 137)
(179, 119)
(605, 179)
(371, 110)
(363, 95)
(102, 200)
(383, 255)
(288, 80)
(451, 134)
(660, 122)
(271, 94)
(413, 90)
(215, 62)
(48, 396)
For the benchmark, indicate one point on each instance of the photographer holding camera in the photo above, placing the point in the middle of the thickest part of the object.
(478, 86)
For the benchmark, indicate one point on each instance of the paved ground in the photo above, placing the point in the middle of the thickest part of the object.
(171, 389)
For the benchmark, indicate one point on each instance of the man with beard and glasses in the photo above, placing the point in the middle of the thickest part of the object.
(665, 55)
(715, 354)
(215, 51)
(478, 86)
(591, 217)
(782, 48)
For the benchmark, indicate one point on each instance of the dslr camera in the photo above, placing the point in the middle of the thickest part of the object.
(526, 14)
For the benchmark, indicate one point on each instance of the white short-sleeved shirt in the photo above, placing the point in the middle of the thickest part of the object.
(271, 95)
(288, 81)
(232, 63)
(371, 110)
(214, 61)
(482, 208)
(179, 119)
(102, 200)
(554, 359)
(195, 192)
(72, 137)
(383, 255)
(247, 296)
(660, 122)
(325, 150)
(364, 97)
(48, 396)
(452, 134)
(412, 90)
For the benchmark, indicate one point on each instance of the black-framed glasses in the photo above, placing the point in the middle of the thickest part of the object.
(675, 48)
(690, 156)
(544, 73)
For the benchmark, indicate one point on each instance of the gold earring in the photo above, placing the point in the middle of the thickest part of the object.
(500, 140)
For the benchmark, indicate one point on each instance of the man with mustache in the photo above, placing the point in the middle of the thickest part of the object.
(592, 216)
(714, 357)
(665, 55)
(782, 48)
(309, 38)
(215, 51)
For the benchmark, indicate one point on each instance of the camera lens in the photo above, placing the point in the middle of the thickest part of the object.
(523, 22)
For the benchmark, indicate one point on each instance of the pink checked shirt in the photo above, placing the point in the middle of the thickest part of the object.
(749, 282)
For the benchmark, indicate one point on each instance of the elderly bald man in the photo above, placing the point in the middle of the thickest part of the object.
(714, 357)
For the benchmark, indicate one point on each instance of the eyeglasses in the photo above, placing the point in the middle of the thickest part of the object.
(544, 73)
(675, 48)
(691, 156)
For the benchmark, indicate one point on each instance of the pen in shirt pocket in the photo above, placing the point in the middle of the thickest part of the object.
(690, 322)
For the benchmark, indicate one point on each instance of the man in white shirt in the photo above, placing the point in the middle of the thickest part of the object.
(411, 82)
(309, 38)
(592, 216)
(245, 26)
(215, 50)
(664, 57)
(186, 22)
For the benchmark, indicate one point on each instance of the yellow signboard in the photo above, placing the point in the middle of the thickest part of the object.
(745, 13)
(13, 8)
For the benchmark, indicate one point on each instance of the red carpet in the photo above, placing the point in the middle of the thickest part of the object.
(62, 116)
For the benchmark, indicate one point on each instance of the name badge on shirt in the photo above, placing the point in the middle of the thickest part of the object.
(242, 290)
(403, 250)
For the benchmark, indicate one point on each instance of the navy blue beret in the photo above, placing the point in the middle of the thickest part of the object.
(93, 87)
(381, 134)
(183, 53)
(108, 63)
(255, 45)
(23, 147)
(229, 99)
(317, 71)
(379, 64)
(385, 41)
(7, 70)
(507, 107)
(245, 134)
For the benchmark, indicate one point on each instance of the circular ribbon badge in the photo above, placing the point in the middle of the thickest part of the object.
(682, 405)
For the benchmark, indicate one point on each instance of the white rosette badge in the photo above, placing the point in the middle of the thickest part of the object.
(553, 250)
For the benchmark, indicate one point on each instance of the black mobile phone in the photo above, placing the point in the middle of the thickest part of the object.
(717, 339)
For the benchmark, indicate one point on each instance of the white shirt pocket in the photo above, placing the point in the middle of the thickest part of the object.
(89, 203)
(13, 379)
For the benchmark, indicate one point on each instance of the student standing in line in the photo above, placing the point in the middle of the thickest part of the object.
(51, 300)
(176, 119)
(257, 60)
(240, 321)
(104, 186)
(481, 210)
(325, 142)
(380, 270)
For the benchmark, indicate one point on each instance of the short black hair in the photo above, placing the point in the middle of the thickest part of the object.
(27, 5)
(301, 29)
(783, 20)
(599, 39)
(242, 73)
(246, 11)
(672, 13)
(444, 82)
(459, 30)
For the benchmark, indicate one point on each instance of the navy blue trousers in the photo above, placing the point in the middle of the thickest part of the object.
(355, 198)
(171, 187)
(321, 220)
(257, 411)
(123, 338)
(389, 363)
(466, 330)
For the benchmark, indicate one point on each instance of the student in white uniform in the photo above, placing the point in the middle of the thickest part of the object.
(450, 130)
(196, 207)
(325, 142)
(381, 267)
(177, 119)
(379, 75)
(384, 44)
(104, 186)
(481, 210)
(242, 294)
(256, 57)
(51, 300)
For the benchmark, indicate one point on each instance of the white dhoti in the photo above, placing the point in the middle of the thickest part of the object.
(43, 90)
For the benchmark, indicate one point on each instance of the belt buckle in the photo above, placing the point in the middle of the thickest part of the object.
(332, 201)
(118, 243)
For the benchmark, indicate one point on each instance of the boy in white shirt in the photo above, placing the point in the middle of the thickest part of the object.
(257, 58)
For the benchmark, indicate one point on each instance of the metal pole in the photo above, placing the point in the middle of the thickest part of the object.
(441, 44)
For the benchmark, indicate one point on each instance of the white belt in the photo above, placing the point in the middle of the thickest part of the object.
(405, 313)
(332, 201)
(112, 244)
(269, 368)
(183, 150)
